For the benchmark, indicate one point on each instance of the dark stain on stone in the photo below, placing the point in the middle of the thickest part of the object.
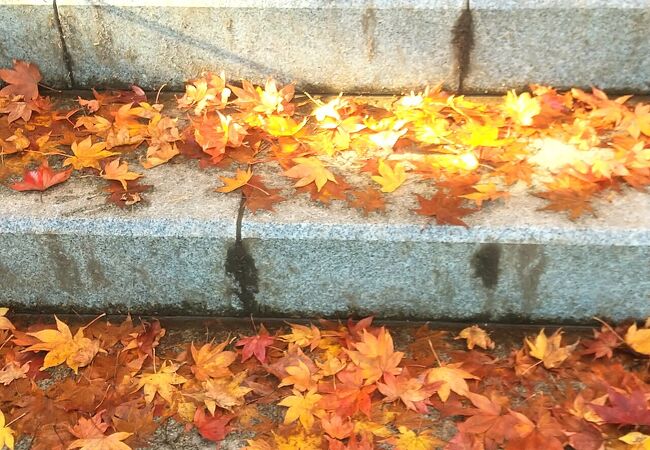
(240, 265)
(462, 41)
(531, 262)
(96, 272)
(369, 26)
(486, 264)
(7, 277)
(64, 266)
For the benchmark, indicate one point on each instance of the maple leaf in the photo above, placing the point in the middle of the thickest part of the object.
(368, 201)
(214, 428)
(303, 336)
(5, 324)
(87, 154)
(22, 80)
(310, 170)
(488, 419)
(549, 350)
(161, 382)
(110, 442)
(13, 371)
(17, 109)
(445, 209)
(258, 196)
(212, 361)
(41, 179)
(603, 344)
(6, 434)
(255, 345)
(76, 351)
(126, 197)
(376, 356)
(231, 184)
(162, 137)
(624, 409)
(409, 440)
(638, 441)
(638, 339)
(476, 336)
(90, 434)
(336, 427)
(452, 378)
(575, 203)
(224, 393)
(521, 109)
(130, 418)
(390, 178)
(301, 407)
(117, 171)
(485, 192)
(413, 392)
(300, 377)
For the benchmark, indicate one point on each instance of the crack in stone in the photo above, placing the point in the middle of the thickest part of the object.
(67, 58)
(462, 40)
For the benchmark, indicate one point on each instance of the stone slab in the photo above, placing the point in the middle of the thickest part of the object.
(29, 32)
(562, 43)
(512, 264)
(73, 252)
(323, 46)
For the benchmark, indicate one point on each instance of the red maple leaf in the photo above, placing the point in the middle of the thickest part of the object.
(213, 428)
(447, 210)
(625, 409)
(255, 345)
(41, 179)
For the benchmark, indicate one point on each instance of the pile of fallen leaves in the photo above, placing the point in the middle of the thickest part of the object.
(567, 148)
(337, 386)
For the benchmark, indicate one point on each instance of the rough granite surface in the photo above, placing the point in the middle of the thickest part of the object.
(562, 43)
(322, 46)
(512, 263)
(29, 32)
(73, 252)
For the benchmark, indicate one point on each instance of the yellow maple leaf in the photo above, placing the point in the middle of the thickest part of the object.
(301, 407)
(409, 440)
(110, 442)
(549, 350)
(638, 339)
(241, 178)
(303, 336)
(87, 154)
(162, 137)
(389, 178)
(117, 171)
(76, 351)
(310, 170)
(476, 336)
(637, 441)
(162, 382)
(521, 109)
(453, 378)
(296, 441)
(6, 434)
(300, 377)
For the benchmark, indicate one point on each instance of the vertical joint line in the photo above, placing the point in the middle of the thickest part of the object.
(240, 216)
(67, 59)
(463, 41)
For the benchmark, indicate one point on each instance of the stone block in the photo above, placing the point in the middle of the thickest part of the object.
(74, 253)
(332, 46)
(562, 43)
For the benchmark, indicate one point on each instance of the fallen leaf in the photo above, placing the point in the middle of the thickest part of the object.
(390, 178)
(41, 179)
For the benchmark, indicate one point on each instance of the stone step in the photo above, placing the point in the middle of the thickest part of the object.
(192, 251)
(380, 46)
